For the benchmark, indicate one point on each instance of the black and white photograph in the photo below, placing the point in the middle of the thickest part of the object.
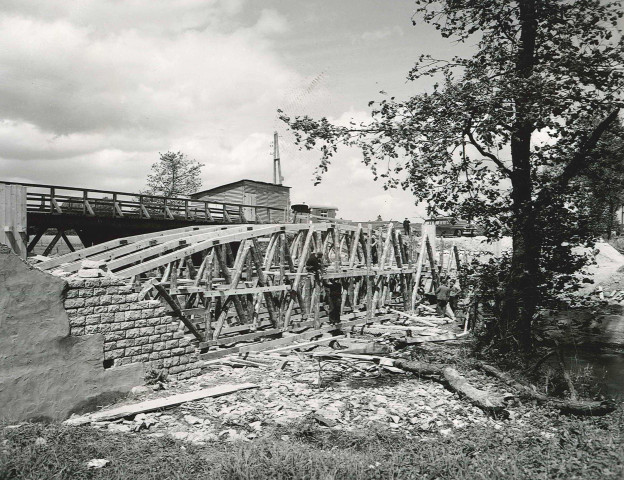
(316, 240)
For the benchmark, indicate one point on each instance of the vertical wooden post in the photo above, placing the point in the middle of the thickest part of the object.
(13, 218)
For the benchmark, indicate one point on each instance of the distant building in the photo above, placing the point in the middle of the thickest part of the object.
(252, 192)
(324, 211)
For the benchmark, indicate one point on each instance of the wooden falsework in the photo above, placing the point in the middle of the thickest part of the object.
(245, 282)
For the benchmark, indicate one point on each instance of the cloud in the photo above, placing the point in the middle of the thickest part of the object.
(92, 90)
(379, 34)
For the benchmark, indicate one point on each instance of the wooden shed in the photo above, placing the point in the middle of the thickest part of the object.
(253, 192)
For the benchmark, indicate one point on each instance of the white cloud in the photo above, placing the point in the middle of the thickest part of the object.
(382, 33)
(92, 90)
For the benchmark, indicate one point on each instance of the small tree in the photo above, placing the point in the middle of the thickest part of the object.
(174, 175)
(603, 182)
(503, 133)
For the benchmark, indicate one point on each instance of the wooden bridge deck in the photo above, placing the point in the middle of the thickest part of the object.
(101, 215)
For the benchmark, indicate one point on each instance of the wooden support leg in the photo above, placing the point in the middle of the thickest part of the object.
(53, 243)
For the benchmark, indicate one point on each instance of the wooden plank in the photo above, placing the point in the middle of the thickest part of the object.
(177, 311)
(158, 404)
(306, 344)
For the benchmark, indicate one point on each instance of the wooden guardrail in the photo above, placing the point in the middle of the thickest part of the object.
(62, 200)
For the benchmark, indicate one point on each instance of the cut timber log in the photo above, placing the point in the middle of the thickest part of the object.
(568, 407)
(456, 383)
(412, 317)
(437, 338)
(157, 404)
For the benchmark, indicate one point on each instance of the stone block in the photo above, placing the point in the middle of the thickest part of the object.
(123, 361)
(160, 329)
(92, 301)
(125, 343)
(154, 338)
(126, 325)
(77, 331)
(93, 319)
(98, 292)
(159, 346)
(147, 313)
(147, 348)
(178, 351)
(75, 282)
(133, 315)
(133, 333)
(167, 337)
(100, 309)
(106, 299)
(92, 283)
(132, 351)
(114, 336)
(113, 308)
(144, 357)
(74, 302)
(147, 331)
(189, 349)
(167, 362)
(141, 323)
(112, 291)
(178, 334)
(78, 321)
(86, 310)
(125, 307)
(125, 289)
(171, 344)
(140, 341)
(155, 356)
(114, 354)
(72, 293)
(92, 329)
(132, 297)
(107, 317)
(85, 292)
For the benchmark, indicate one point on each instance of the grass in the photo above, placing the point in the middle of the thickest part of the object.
(541, 445)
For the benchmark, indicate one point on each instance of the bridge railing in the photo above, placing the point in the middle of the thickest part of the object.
(62, 200)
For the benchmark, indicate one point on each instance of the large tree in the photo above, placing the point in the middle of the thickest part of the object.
(174, 175)
(500, 134)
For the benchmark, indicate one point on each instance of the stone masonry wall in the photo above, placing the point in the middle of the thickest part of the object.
(134, 331)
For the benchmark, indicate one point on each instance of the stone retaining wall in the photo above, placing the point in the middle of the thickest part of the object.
(134, 331)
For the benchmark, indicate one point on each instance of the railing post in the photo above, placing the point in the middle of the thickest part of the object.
(85, 199)
(165, 208)
(52, 194)
(114, 203)
(140, 206)
(186, 211)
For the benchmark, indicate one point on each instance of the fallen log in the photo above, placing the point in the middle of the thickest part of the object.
(455, 382)
(574, 407)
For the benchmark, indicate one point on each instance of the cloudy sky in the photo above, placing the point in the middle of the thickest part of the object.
(92, 90)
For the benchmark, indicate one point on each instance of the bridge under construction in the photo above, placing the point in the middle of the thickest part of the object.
(239, 283)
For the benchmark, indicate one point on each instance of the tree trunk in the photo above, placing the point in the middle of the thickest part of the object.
(520, 300)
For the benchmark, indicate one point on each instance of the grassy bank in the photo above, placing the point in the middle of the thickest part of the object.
(536, 444)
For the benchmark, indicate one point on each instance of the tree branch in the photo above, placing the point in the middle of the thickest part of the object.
(577, 164)
(485, 153)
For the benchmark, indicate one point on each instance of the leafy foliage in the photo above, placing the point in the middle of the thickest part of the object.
(174, 175)
(502, 134)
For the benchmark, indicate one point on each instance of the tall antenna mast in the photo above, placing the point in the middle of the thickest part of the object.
(277, 168)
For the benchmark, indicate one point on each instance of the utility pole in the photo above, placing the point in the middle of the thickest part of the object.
(277, 168)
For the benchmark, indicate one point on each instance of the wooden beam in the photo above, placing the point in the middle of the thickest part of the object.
(157, 404)
(177, 311)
